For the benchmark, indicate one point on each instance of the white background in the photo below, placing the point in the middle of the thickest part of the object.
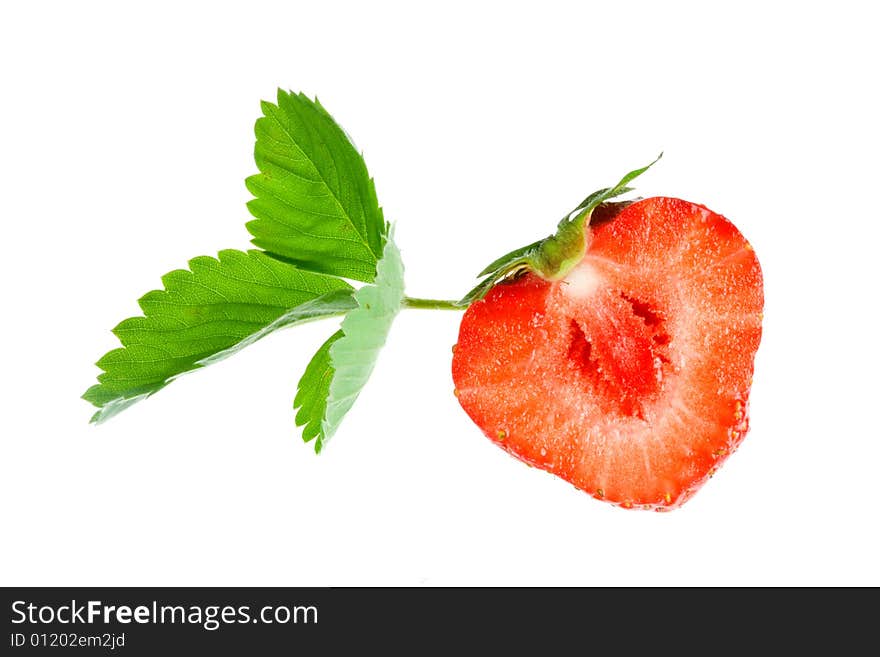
(124, 141)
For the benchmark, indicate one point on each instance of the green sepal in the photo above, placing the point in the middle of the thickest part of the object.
(554, 256)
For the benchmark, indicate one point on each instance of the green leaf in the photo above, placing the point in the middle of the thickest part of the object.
(313, 391)
(205, 314)
(554, 256)
(339, 370)
(315, 202)
(331, 304)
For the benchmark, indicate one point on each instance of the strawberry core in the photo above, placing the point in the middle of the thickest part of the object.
(617, 345)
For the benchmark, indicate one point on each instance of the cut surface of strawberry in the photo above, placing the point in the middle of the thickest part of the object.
(628, 377)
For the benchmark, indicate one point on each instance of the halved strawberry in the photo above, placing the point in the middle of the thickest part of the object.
(629, 375)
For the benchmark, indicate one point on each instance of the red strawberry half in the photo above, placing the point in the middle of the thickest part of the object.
(628, 376)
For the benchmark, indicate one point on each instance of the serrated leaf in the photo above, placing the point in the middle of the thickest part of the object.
(204, 314)
(331, 304)
(315, 202)
(312, 393)
(352, 355)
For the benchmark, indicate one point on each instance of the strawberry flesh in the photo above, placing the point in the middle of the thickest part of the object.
(630, 376)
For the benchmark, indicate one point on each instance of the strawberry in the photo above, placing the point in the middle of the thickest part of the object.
(626, 369)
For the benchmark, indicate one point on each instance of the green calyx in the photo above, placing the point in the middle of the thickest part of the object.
(558, 254)
(553, 257)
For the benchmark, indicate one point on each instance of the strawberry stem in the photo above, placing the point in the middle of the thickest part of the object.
(432, 304)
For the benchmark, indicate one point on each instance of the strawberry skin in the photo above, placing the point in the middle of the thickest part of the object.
(629, 377)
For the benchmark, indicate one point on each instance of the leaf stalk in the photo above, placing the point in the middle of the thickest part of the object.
(432, 304)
